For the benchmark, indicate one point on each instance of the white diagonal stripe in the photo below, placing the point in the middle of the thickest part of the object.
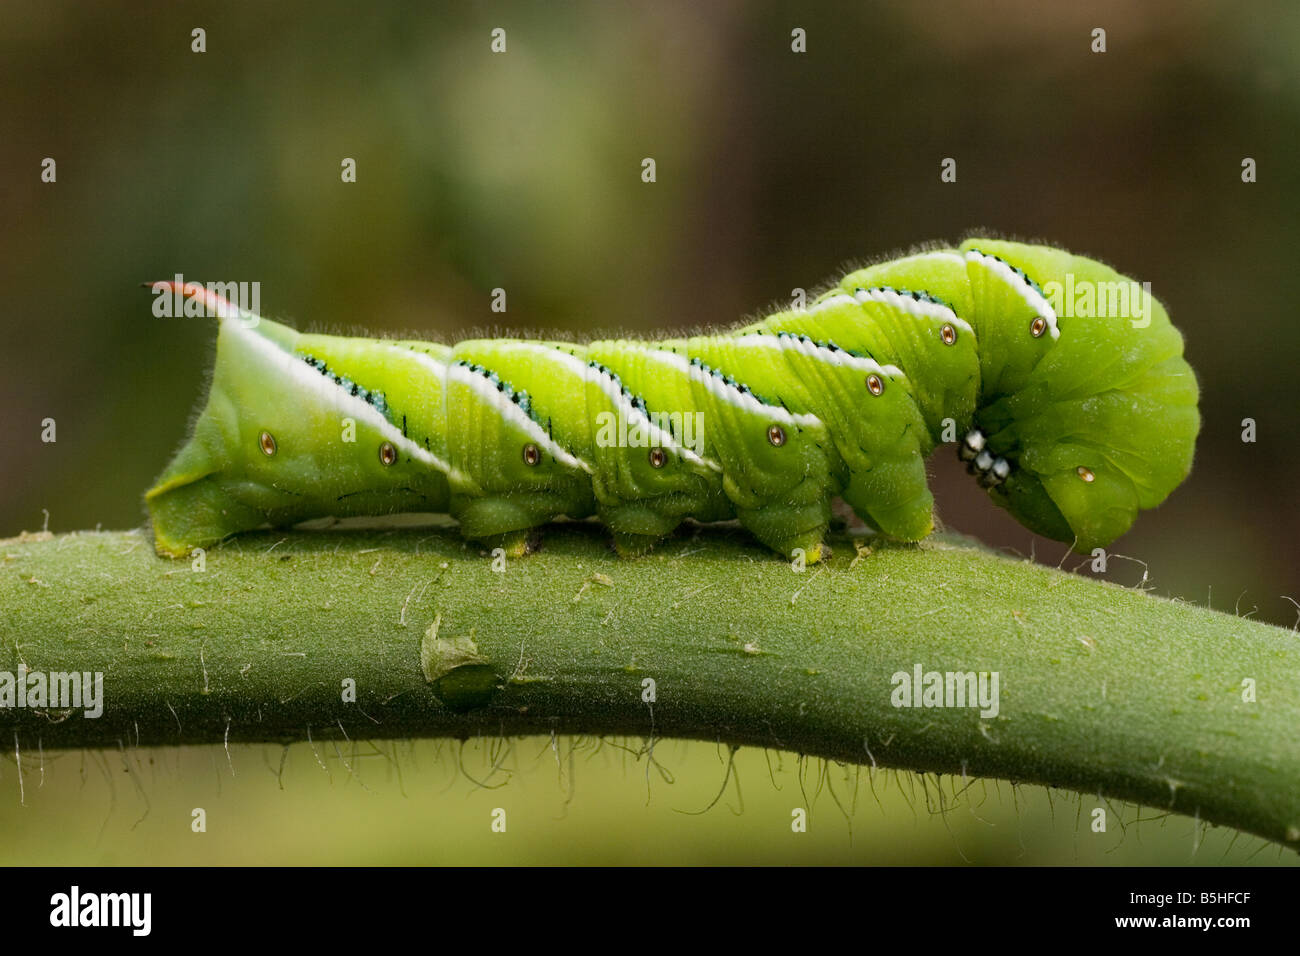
(614, 393)
(746, 400)
(512, 413)
(1033, 298)
(839, 357)
(301, 374)
(920, 308)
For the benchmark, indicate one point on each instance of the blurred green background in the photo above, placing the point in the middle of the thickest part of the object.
(522, 171)
(585, 801)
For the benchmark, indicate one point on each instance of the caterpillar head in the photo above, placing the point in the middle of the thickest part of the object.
(1088, 410)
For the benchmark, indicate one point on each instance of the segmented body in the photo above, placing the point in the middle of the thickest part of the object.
(765, 423)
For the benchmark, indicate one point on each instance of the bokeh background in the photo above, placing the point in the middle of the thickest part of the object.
(522, 171)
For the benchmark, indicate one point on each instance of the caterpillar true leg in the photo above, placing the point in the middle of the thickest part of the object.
(1075, 413)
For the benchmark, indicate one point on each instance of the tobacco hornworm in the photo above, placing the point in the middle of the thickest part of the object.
(1074, 411)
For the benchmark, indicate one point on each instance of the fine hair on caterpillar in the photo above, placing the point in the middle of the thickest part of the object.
(1066, 383)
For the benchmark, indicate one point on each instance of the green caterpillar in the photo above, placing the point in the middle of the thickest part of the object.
(1073, 419)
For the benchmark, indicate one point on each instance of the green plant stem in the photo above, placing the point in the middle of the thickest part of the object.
(1103, 690)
